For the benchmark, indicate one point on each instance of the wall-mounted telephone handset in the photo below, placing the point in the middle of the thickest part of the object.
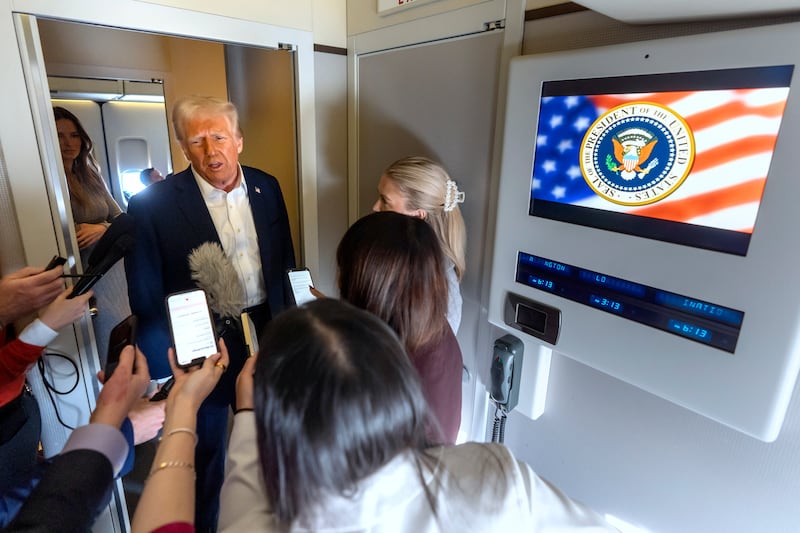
(505, 371)
(504, 374)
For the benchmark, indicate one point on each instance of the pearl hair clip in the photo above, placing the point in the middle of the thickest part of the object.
(452, 196)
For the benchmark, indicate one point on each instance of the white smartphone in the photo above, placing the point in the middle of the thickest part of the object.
(191, 326)
(300, 280)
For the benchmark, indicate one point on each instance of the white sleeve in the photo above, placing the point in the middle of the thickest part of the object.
(454, 302)
(243, 499)
(553, 511)
(38, 333)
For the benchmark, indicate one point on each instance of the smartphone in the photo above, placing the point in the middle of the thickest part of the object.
(57, 260)
(300, 281)
(121, 336)
(163, 392)
(191, 326)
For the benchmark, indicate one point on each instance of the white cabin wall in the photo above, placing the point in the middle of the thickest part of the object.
(631, 454)
(330, 75)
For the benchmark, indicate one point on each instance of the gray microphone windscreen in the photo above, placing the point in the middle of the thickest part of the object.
(214, 273)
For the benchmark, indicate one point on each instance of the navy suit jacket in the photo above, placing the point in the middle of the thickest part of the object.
(72, 492)
(171, 219)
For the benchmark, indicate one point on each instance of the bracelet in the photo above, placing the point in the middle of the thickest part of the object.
(242, 410)
(171, 464)
(183, 430)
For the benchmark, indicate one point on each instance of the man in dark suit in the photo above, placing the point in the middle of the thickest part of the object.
(76, 486)
(215, 200)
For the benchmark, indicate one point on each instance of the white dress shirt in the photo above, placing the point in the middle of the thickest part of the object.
(233, 220)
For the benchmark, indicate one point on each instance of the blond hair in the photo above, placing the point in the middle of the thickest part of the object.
(190, 106)
(424, 184)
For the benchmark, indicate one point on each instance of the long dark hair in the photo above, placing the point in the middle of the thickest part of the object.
(392, 265)
(336, 398)
(86, 179)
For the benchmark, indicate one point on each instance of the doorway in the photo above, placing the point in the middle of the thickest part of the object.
(36, 179)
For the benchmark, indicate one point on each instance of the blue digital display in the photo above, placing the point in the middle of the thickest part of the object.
(548, 264)
(698, 307)
(535, 281)
(605, 303)
(690, 330)
(634, 289)
(691, 318)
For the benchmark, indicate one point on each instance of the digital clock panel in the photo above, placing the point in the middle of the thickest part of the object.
(688, 317)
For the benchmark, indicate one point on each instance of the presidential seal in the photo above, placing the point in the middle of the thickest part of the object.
(637, 153)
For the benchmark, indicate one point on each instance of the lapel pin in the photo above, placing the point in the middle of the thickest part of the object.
(258, 190)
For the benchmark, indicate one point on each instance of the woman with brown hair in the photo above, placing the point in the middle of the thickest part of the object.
(93, 208)
(392, 265)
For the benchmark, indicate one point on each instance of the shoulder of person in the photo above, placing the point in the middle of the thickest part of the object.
(161, 191)
(482, 464)
(252, 173)
(478, 453)
(469, 470)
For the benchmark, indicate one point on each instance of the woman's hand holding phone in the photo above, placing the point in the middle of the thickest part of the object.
(195, 383)
(64, 311)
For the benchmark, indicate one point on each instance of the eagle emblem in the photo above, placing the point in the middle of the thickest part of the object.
(637, 153)
(631, 149)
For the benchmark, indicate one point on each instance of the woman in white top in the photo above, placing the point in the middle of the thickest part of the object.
(420, 187)
(330, 435)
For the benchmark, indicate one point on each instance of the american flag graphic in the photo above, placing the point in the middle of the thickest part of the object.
(735, 131)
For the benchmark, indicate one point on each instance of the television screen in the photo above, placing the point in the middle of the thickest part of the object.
(678, 157)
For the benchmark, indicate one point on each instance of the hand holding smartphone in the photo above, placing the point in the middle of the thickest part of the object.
(191, 326)
(121, 336)
(300, 281)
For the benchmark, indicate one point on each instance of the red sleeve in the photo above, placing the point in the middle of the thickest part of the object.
(15, 358)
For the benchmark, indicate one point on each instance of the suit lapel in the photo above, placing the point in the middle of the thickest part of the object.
(191, 204)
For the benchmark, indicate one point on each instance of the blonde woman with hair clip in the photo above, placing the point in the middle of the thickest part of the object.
(420, 187)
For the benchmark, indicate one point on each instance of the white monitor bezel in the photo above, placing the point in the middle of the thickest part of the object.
(749, 390)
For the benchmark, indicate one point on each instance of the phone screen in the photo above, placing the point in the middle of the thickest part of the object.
(300, 280)
(191, 326)
(121, 336)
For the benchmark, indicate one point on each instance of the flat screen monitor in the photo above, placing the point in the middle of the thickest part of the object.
(649, 200)
(681, 157)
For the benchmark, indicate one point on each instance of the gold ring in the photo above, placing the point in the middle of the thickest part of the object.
(221, 365)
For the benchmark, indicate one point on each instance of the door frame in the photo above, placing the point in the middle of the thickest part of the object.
(30, 148)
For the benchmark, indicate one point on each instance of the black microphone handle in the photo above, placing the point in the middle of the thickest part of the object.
(95, 272)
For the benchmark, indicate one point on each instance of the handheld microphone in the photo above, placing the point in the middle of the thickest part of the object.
(117, 241)
(93, 274)
(214, 273)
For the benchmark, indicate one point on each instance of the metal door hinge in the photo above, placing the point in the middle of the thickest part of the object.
(494, 25)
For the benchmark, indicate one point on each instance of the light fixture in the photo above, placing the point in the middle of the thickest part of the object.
(142, 91)
(105, 90)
